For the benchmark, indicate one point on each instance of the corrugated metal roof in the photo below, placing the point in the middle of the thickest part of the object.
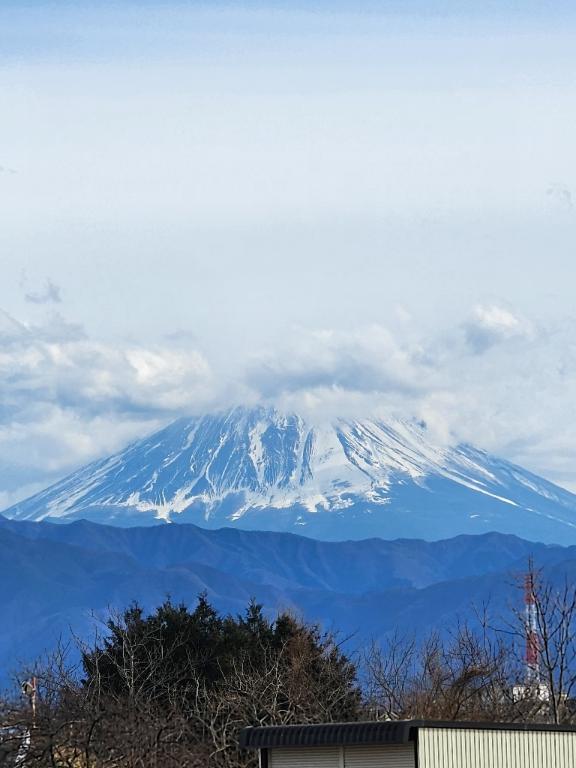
(388, 732)
(326, 734)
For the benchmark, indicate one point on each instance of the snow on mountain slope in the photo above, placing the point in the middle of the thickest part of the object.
(258, 468)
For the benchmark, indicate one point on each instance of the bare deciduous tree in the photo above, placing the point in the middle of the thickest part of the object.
(464, 677)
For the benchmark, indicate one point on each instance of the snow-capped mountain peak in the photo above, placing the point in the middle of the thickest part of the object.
(259, 468)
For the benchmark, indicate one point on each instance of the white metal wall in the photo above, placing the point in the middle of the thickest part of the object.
(469, 748)
(344, 757)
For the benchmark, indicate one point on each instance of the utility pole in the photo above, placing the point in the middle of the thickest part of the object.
(30, 689)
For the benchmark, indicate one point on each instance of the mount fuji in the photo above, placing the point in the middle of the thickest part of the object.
(261, 469)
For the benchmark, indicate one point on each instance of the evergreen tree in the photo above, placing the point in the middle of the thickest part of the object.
(172, 654)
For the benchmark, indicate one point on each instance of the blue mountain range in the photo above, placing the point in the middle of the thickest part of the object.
(62, 578)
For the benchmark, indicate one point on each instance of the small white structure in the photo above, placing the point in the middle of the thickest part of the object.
(413, 744)
(532, 692)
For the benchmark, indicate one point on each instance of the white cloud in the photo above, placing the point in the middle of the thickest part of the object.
(498, 381)
(369, 359)
(492, 324)
(561, 197)
(68, 399)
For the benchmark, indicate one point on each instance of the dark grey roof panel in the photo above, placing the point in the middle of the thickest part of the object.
(389, 732)
(326, 734)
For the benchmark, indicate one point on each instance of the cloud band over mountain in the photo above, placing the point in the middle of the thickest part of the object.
(496, 380)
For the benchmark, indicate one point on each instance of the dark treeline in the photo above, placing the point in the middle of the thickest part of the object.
(175, 687)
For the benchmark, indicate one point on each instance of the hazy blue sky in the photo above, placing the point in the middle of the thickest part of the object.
(353, 206)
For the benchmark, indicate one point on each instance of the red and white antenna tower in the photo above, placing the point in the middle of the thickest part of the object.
(532, 639)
